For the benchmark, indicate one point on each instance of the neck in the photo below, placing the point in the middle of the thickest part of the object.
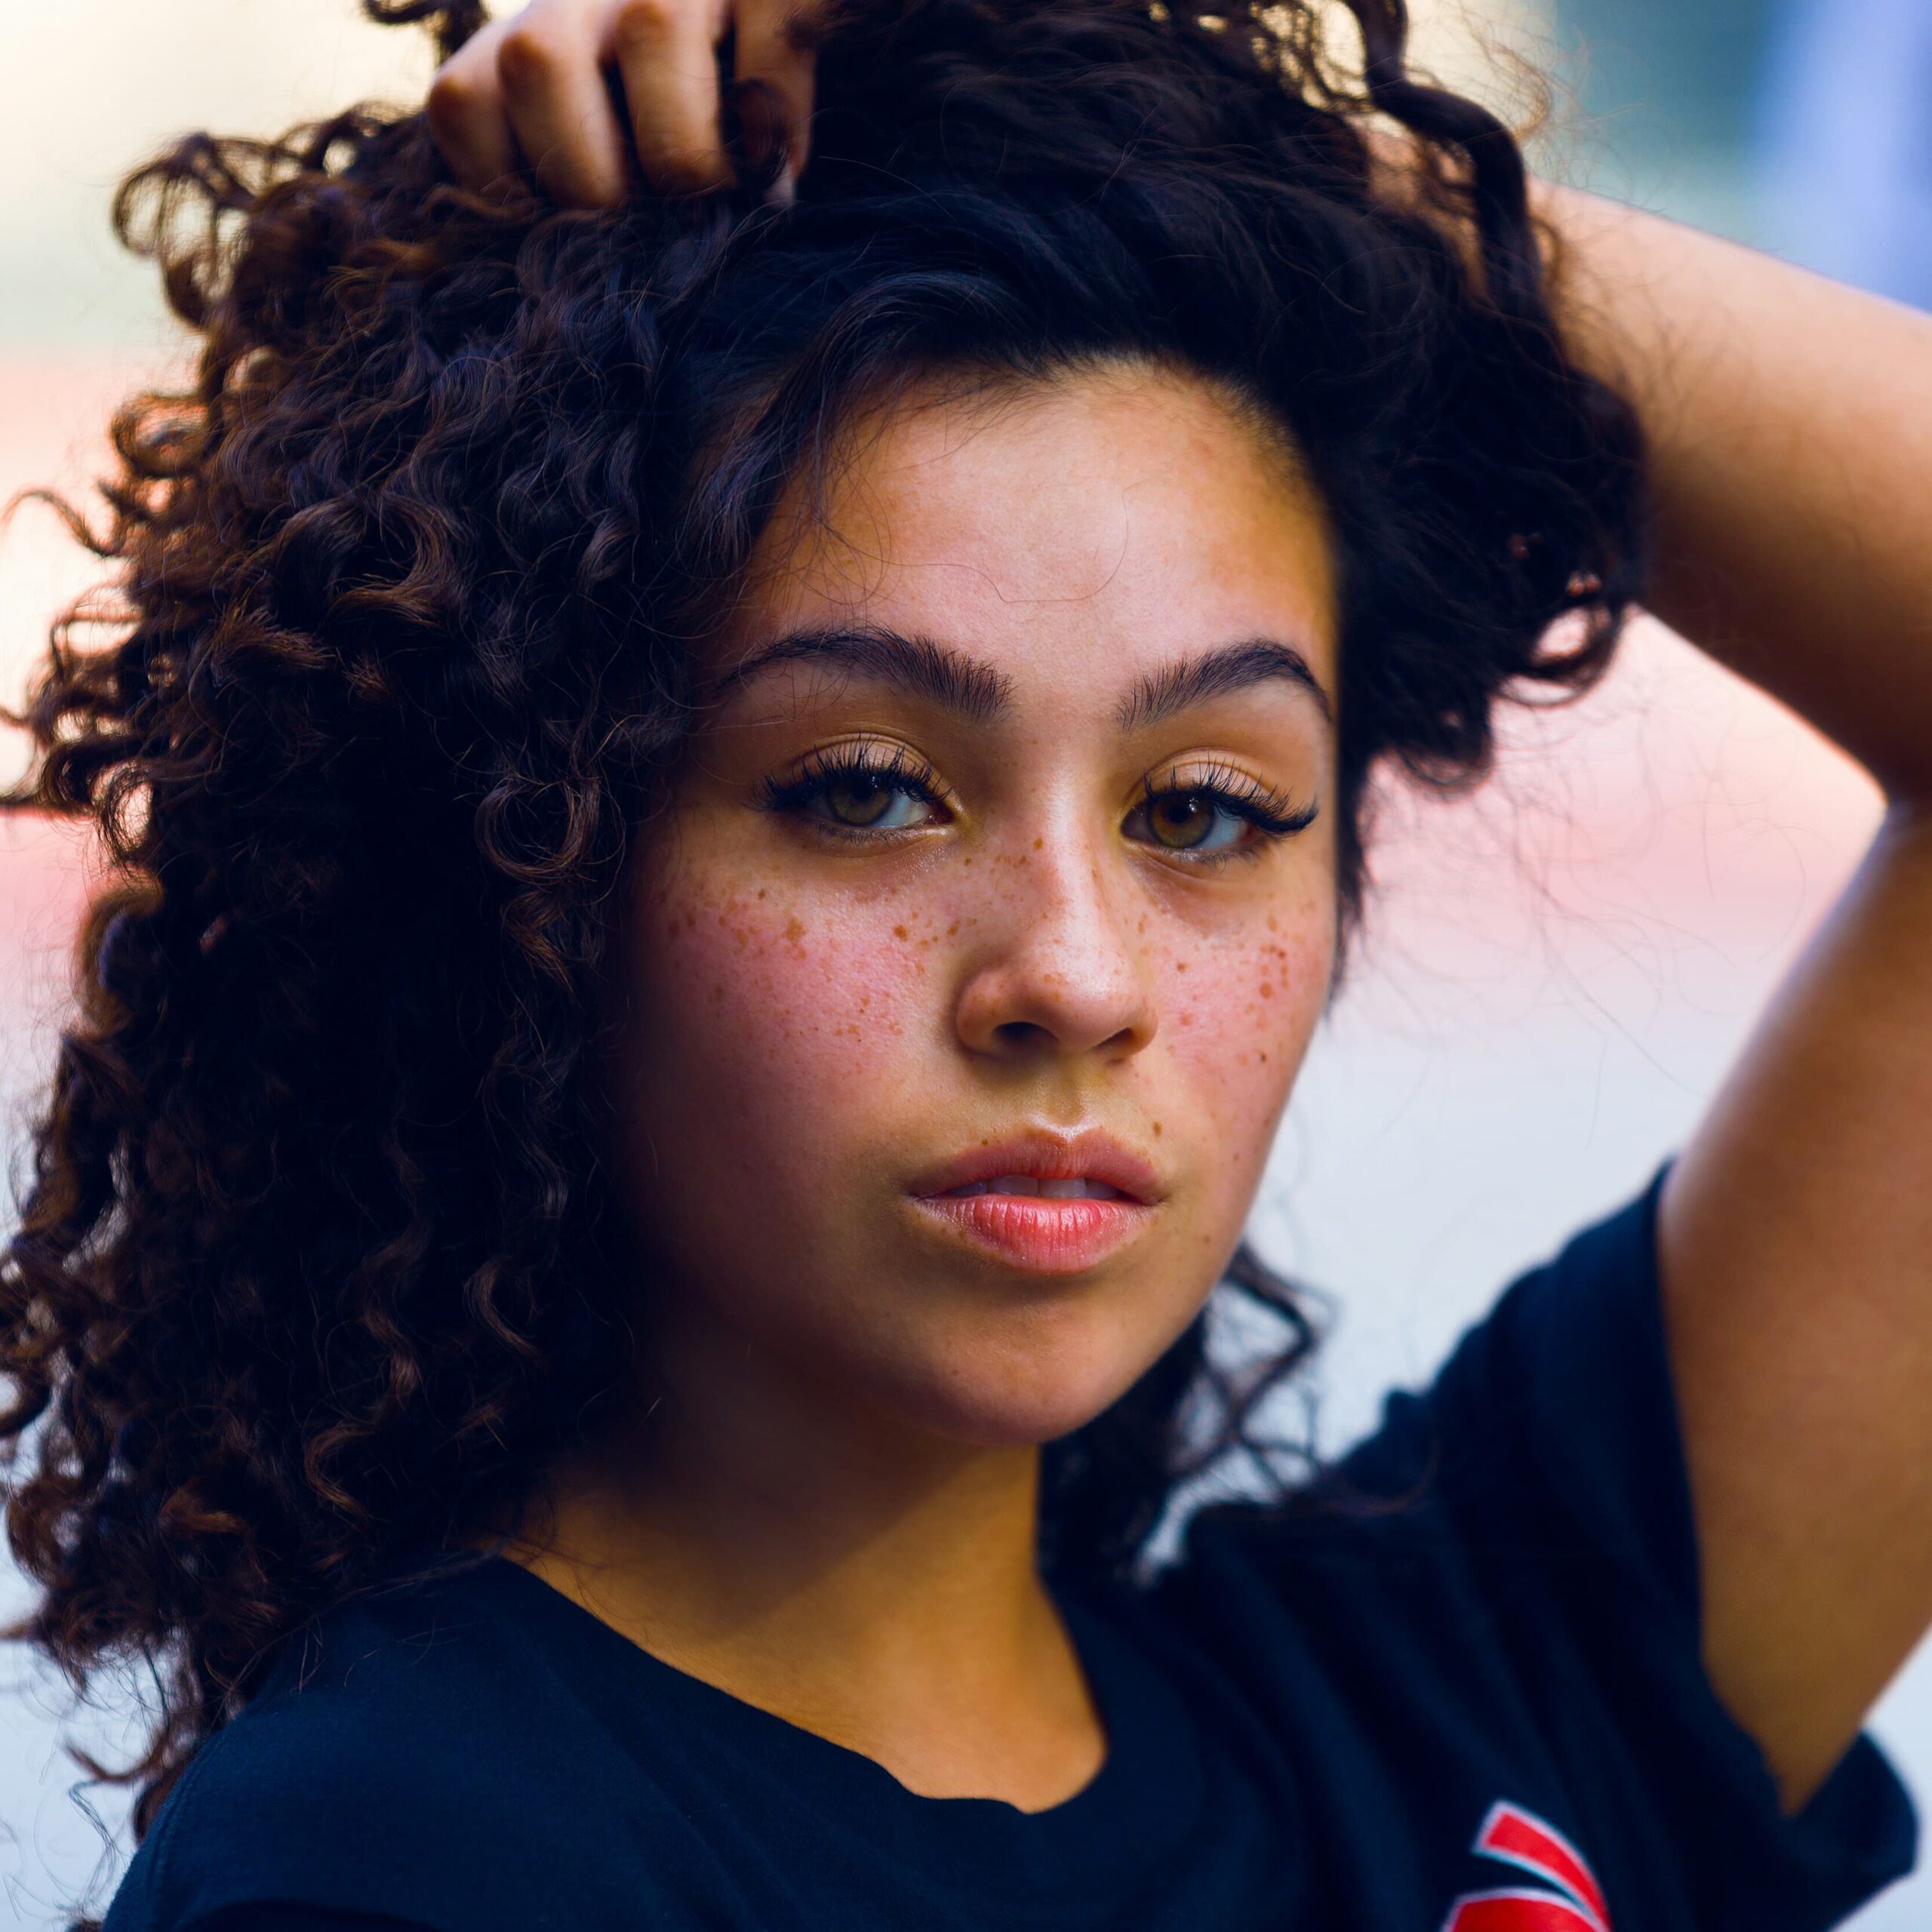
(861, 1579)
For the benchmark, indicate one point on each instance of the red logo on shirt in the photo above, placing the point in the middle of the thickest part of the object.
(1513, 1836)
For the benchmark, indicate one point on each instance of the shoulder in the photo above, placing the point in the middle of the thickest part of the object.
(416, 1759)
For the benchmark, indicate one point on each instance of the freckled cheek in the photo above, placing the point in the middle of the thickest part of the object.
(766, 1011)
(1237, 1020)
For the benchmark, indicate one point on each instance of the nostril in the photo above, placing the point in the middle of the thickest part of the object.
(1021, 1033)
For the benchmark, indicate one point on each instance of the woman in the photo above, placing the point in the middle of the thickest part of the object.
(737, 795)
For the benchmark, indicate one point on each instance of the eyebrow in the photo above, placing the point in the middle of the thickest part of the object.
(1233, 667)
(923, 668)
(917, 665)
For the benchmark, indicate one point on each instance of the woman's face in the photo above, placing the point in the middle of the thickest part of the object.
(1005, 863)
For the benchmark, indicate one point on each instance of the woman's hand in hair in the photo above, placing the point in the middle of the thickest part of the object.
(584, 91)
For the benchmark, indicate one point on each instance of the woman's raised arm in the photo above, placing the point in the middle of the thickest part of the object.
(1790, 421)
(1791, 425)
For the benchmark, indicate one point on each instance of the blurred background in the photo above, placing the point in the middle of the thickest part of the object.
(1556, 971)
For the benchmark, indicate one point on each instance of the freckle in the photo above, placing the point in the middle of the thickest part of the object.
(1157, 1130)
(951, 929)
(1038, 843)
(899, 932)
(1187, 1019)
(1267, 991)
(740, 936)
(760, 892)
(1264, 1060)
(794, 929)
(1180, 966)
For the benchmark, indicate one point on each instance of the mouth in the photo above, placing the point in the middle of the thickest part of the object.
(1037, 1186)
(1042, 1202)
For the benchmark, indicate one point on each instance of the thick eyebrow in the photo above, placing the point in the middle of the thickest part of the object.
(924, 668)
(1214, 674)
(917, 665)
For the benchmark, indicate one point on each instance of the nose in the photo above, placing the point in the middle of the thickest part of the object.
(1056, 972)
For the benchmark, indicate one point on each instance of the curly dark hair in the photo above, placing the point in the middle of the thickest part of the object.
(314, 1271)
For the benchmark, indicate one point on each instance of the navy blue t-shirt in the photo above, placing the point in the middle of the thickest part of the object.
(1454, 1688)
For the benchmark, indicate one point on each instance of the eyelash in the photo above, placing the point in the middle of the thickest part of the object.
(1273, 815)
(904, 770)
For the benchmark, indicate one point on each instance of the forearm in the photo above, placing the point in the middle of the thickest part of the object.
(1790, 420)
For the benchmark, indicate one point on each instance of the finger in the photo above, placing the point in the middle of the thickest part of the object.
(773, 46)
(466, 117)
(665, 51)
(559, 108)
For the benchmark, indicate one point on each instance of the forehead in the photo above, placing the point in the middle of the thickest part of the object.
(1072, 534)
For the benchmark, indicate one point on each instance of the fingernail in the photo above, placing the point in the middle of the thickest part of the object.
(758, 140)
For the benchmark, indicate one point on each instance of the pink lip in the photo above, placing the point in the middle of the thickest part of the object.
(1040, 1233)
(1089, 1155)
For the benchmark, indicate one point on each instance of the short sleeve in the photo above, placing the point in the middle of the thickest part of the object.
(1554, 1436)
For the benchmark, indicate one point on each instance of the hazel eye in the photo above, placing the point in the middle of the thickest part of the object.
(859, 791)
(1194, 822)
(869, 801)
(1221, 814)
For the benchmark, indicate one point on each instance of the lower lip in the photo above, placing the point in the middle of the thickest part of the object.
(1034, 1231)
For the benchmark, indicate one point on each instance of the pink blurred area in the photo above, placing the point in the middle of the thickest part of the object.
(54, 417)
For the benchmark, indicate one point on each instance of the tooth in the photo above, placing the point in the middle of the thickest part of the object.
(1064, 1190)
(1014, 1184)
(971, 1187)
(1099, 1190)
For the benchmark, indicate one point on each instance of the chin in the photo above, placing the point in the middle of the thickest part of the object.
(1006, 1397)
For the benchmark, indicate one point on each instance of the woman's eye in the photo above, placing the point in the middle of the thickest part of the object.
(859, 795)
(1194, 822)
(868, 802)
(1215, 821)
(1200, 824)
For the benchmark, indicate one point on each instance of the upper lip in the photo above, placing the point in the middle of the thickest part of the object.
(1092, 1154)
